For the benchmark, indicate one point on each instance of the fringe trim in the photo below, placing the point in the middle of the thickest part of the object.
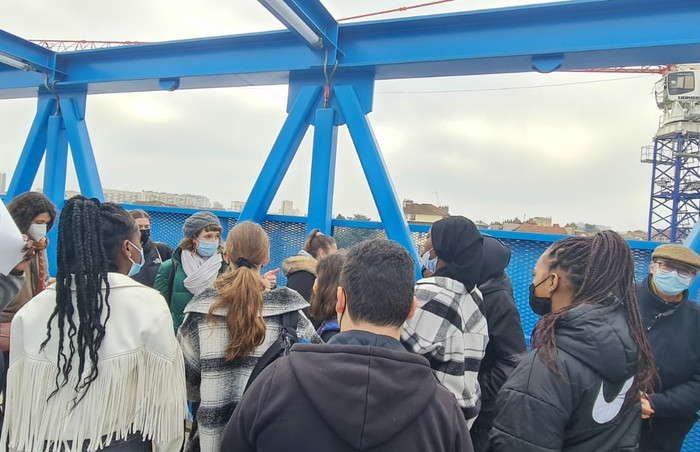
(140, 391)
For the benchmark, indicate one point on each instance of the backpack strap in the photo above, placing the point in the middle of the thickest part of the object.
(288, 337)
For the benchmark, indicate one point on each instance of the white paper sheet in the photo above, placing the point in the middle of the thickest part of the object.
(11, 242)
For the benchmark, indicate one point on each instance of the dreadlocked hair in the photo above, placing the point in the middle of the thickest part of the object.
(90, 234)
(240, 289)
(601, 270)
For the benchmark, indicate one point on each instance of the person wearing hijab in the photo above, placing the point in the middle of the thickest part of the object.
(448, 328)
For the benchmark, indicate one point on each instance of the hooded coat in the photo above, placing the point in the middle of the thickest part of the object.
(673, 333)
(359, 392)
(300, 271)
(584, 409)
(506, 346)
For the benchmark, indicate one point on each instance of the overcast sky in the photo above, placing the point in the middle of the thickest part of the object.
(491, 147)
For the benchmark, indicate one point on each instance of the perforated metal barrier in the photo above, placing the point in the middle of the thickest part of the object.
(288, 234)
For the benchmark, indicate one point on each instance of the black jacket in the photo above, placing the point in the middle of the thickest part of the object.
(300, 271)
(506, 345)
(579, 411)
(155, 254)
(359, 392)
(673, 331)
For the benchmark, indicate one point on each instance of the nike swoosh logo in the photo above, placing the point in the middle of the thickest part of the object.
(606, 411)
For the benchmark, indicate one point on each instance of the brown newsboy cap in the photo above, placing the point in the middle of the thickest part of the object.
(677, 253)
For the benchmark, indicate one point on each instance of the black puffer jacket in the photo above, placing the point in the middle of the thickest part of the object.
(582, 410)
(506, 345)
(673, 333)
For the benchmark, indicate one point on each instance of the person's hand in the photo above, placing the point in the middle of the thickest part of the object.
(271, 277)
(29, 253)
(647, 410)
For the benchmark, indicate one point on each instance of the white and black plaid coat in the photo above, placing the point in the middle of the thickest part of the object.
(451, 332)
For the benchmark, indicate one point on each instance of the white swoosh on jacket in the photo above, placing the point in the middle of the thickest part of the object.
(606, 411)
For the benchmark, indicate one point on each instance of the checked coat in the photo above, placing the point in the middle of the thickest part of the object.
(451, 332)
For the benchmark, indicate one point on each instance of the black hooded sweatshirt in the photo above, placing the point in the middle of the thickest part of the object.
(506, 345)
(583, 410)
(360, 392)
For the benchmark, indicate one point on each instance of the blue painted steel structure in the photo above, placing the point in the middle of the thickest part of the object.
(568, 35)
(675, 184)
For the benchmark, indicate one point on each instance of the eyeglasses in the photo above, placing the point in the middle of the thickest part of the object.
(681, 269)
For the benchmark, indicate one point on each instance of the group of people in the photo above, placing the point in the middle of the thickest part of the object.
(99, 360)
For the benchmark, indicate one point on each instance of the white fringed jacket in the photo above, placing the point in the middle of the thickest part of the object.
(140, 385)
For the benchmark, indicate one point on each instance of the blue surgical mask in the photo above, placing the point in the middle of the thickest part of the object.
(428, 263)
(135, 268)
(207, 249)
(671, 283)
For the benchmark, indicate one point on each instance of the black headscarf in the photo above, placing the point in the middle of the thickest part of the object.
(457, 241)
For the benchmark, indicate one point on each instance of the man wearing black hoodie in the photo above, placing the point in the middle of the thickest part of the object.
(506, 345)
(361, 391)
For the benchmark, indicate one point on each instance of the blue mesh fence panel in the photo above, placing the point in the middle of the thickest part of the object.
(288, 234)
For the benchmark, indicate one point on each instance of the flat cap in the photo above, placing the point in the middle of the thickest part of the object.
(677, 253)
(198, 221)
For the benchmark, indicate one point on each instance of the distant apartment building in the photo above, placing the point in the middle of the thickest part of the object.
(424, 213)
(288, 209)
(3, 183)
(217, 206)
(541, 221)
(237, 206)
(122, 196)
(186, 200)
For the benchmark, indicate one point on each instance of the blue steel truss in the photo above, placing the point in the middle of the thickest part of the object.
(675, 187)
(568, 35)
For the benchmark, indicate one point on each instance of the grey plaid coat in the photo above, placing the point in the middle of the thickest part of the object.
(212, 381)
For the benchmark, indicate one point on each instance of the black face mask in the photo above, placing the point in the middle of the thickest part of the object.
(540, 305)
(145, 236)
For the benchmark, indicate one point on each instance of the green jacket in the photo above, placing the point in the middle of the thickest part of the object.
(170, 282)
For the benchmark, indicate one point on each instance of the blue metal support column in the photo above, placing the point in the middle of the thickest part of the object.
(322, 171)
(55, 174)
(375, 169)
(33, 151)
(281, 155)
(73, 110)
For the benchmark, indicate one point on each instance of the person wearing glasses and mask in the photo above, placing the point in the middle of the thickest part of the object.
(155, 252)
(672, 324)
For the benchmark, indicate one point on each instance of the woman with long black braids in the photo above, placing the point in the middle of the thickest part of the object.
(108, 373)
(579, 390)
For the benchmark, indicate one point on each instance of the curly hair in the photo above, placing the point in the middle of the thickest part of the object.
(90, 234)
(27, 206)
(601, 269)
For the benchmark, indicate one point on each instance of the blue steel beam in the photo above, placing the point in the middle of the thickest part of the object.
(280, 157)
(55, 174)
(322, 171)
(40, 58)
(375, 169)
(33, 151)
(73, 110)
(580, 34)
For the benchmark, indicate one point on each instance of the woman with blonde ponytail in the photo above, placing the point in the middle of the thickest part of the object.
(226, 330)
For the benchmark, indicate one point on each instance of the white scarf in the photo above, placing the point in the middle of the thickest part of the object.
(200, 273)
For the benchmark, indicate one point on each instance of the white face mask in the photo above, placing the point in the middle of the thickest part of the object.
(37, 231)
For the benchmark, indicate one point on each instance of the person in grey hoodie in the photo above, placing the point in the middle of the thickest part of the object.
(361, 391)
